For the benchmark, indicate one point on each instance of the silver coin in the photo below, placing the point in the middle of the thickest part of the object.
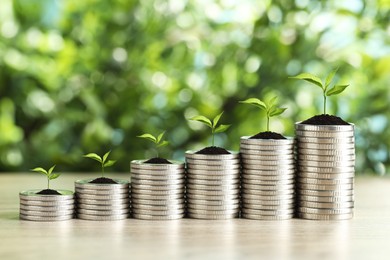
(268, 202)
(151, 217)
(325, 193)
(327, 176)
(267, 207)
(271, 197)
(194, 155)
(140, 174)
(220, 174)
(326, 164)
(213, 162)
(167, 177)
(257, 184)
(135, 190)
(262, 217)
(213, 212)
(102, 197)
(140, 164)
(326, 146)
(326, 181)
(46, 219)
(266, 152)
(249, 140)
(47, 203)
(158, 208)
(329, 205)
(148, 171)
(157, 182)
(282, 167)
(329, 170)
(213, 182)
(158, 212)
(101, 192)
(255, 188)
(216, 178)
(103, 218)
(85, 184)
(270, 173)
(226, 197)
(325, 217)
(256, 163)
(103, 202)
(324, 158)
(212, 217)
(103, 212)
(267, 178)
(282, 147)
(157, 197)
(329, 199)
(46, 213)
(161, 188)
(214, 202)
(213, 192)
(320, 140)
(212, 167)
(268, 212)
(47, 208)
(318, 152)
(226, 207)
(325, 211)
(329, 187)
(30, 195)
(258, 192)
(169, 202)
(221, 187)
(323, 134)
(257, 158)
(103, 207)
(333, 128)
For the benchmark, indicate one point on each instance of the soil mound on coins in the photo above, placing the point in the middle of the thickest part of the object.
(48, 192)
(267, 135)
(325, 119)
(158, 160)
(213, 150)
(103, 180)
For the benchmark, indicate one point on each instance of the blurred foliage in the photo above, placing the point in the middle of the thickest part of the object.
(89, 76)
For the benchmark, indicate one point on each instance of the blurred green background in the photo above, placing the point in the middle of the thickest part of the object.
(89, 76)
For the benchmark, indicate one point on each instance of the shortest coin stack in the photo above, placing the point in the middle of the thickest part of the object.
(157, 190)
(102, 202)
(37, 207)
(268, 176)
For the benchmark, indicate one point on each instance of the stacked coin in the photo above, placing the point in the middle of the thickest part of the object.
(326, 160)
(213, 185)
(267, 178)
(157, 190)
(101, 202)
(37, 207)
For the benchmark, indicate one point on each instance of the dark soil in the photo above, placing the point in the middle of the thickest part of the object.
(158, 160)
(103, 180)
(325, 119)
(267, 135)
(213, 150)
(48, 192)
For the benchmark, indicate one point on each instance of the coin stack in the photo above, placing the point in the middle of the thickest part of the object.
(326, 160)
(213, 185)
(267, 178)
(37, 207)
(157, 190)
(102, 202)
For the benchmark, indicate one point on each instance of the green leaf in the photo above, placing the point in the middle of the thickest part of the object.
(94, 156)
(202, 119)
(109, 163)
(272, 101)
(54, 176)
(221, 128)
(40, 170)
(105, 156)
(310, 78)
(216, 119)
(336, 90)
(149, 137)
(275, 111)
(255, 102)
(330, 77)
(51, 169)
(163, 143)
(160, 136)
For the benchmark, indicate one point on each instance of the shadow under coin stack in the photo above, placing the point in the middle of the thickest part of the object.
(326, 160)
(157, 190)
(101, 201)
(267, 178)
(37, 207)
(213, 185)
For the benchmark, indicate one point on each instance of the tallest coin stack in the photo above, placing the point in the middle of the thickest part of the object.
(326, 170)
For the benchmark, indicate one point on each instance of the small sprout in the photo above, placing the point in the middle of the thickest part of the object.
(212, 124)
(325, 86)
(49, 174)
(270, 107)
(158, 141)
(102, 160)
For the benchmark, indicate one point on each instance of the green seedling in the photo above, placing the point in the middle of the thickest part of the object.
(212, 124)
(102, 160)
(324, 85)
(270, 107)
(158, 141)
(49, 174)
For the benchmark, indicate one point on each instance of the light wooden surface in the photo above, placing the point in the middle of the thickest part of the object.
(367, 236)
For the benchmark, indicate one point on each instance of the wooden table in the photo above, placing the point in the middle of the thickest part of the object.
(367, 236)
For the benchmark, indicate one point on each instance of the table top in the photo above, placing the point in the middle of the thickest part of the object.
(366, 236)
